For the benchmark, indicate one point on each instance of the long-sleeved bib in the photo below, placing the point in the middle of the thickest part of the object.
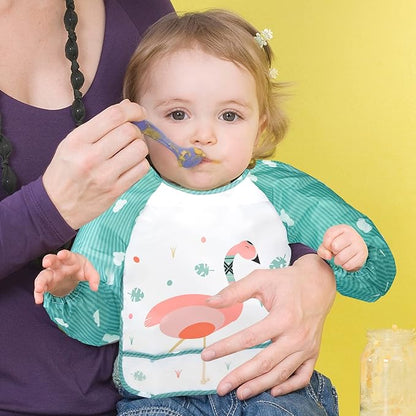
(161, 250)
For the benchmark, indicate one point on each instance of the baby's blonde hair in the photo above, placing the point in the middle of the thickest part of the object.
(222, 34)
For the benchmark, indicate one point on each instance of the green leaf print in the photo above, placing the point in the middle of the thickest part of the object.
(278, 263)
(139, 376)
(202, 269)
(136, 295)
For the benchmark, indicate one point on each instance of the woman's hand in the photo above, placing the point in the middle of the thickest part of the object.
(298, 299)
(96, 163)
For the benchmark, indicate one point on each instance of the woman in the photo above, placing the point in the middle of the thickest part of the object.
(35, 105)
(55, 180)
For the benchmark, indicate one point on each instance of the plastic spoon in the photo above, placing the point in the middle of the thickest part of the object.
(187, 156)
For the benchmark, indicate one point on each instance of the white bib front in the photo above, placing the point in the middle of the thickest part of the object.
(185, 247)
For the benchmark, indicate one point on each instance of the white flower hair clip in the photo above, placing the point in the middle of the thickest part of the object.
(273, 73)
(263, 37)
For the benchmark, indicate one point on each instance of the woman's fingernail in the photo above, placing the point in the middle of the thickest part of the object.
(215, 298)
(223, 389)
(277, 391)
(244, 394)
(208, 355)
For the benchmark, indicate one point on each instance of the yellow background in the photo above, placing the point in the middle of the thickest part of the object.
(352, 64)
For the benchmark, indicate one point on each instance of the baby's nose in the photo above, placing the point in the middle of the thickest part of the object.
(204, 138)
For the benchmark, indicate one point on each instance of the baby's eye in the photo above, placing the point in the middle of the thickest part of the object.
(229, 116)
(178, 115)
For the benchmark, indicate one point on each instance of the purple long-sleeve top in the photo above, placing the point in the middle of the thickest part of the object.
(43, 371)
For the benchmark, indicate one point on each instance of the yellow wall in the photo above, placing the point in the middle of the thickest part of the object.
(353, 125)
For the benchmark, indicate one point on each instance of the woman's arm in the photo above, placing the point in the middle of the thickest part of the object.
(30, 225)
(87, 173)
(298, 299)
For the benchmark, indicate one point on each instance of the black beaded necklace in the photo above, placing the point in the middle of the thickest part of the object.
(9, 180)
(71, 52)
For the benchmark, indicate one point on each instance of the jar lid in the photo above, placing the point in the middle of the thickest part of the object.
(390, 334)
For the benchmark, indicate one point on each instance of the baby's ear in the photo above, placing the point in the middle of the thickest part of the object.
(262, 126)
(262, 123)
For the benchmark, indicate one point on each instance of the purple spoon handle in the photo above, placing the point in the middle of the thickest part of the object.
(187, 156)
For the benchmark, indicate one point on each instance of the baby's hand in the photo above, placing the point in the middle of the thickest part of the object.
(63, 271)
(346, 246)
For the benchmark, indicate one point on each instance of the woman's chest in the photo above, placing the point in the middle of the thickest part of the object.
(34, 69)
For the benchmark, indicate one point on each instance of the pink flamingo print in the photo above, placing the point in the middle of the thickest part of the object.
(189, 317)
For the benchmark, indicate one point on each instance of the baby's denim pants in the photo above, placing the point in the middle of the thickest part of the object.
(319, 398)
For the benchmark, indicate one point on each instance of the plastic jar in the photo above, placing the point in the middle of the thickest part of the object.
(388, 373)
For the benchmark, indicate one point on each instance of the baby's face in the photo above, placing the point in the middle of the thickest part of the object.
(202, 101)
